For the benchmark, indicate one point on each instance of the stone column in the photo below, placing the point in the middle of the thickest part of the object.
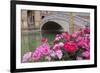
(24, 37)
(37, 17)
(24, 24)
(71, 23)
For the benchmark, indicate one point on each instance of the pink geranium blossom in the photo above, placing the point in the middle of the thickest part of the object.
(86, 54)
(45, 49)
(84, 42)
(79, 38)
(61, 44)
(57, 38)
(52, 53)
(78, 41)
(26, 57)
(87, 30)
(36, 55)
(66, 36)
(70, 46)
(59, 53)
(75, 34)
(56, 46)
(56, 53)
(44, 40)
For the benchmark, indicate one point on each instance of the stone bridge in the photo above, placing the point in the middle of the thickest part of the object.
(63, 20)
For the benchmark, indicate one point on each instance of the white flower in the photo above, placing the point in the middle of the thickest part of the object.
(61, 44)
(26, 57)
(59, 54)
(52, 53)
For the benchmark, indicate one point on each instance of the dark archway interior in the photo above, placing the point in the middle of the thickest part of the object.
(51, 27)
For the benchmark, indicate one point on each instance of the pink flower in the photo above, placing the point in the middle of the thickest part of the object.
(42, 50)
(81, 32)
(79, 58)
(75, 34)
(87, 30)
(55, 42)
(44, 40)
(70, 46)
(84, 42)
(52, 54)
(80, 43)
(57, 38)
(56, 46)
(61, 44)
(36, 55)
(66, 36)
(59, 53)
(86, 54)
(56, 53)
(45, 49)
(26, 57)
(79, 38)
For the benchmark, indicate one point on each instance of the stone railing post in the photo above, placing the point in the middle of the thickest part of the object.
(71, 23)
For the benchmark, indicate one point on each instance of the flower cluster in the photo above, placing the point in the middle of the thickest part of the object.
(75, 46)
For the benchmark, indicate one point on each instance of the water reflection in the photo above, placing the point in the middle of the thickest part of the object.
(30, 40)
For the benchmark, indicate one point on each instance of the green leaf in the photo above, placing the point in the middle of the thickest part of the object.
(79, 52)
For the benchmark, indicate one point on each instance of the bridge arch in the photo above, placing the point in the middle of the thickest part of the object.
(63, 20)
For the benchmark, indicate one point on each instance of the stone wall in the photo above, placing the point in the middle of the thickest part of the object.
(61, 18)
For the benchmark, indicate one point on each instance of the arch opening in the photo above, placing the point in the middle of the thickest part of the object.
(50, 29)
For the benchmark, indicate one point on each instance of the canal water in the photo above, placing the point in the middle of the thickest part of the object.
(31, 40)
